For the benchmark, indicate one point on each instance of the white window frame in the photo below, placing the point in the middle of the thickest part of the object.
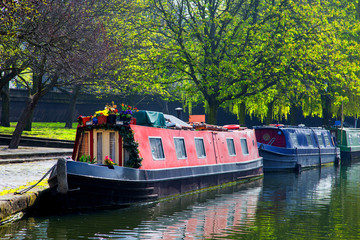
(203, 147)
(99, 146)
(320, 140)
(309, 138)
(182, 140)
(162, 148)
(242, 147)
(112, 145)
(350, 139)
(231, 140)
(294, 139)
(327, 140)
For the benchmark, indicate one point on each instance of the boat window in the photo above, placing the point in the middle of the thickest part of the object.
(157, 149)
(231, 146)
(327, 141)
(99, 147)
(359, 138)
(244, 146)
(180, 148)
(309, 140)
(294, 139)
(320, 139)
(350, 139)
(112, 145)
(200, 148)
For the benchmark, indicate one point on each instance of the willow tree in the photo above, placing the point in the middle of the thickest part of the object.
(230, 50)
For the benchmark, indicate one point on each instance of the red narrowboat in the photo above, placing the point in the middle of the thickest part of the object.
(159, 156)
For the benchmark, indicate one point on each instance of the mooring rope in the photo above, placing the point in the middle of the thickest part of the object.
(29, 188)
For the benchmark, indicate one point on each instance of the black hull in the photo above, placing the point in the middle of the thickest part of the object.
(87, 192)
(347, 158)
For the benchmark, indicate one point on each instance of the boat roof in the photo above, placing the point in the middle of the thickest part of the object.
(178, 122)
(281, 126)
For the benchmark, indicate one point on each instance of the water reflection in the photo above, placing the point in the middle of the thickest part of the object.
(194, 216)
(320, 203)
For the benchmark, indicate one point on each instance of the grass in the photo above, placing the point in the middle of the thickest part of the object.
(45, 130)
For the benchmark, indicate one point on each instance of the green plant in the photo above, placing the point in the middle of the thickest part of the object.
(87, 159)
(109, 161)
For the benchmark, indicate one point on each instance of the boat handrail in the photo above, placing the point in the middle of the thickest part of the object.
(272, 141)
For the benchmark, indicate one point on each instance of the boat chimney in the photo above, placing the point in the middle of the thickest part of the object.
(178, 111)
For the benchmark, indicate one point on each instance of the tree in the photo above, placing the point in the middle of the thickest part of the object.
(65, 43)
(226, 50)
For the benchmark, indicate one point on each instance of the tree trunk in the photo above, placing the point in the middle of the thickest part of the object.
(36, 86)
(293, 114)
(29, 122)
(5, 103)
(27, 112)
(213, 110)
(269, 114)
(326, 109)
(29, 109)
(241, 113)
(72, 107)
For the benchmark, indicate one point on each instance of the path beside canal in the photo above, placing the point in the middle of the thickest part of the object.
(26, 164)
(24, 167)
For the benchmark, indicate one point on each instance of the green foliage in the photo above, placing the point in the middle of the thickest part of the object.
(87, 159)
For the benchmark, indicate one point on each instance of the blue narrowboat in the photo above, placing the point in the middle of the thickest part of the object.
(295, 147)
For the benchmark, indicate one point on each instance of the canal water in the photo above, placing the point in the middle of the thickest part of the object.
(321, 203)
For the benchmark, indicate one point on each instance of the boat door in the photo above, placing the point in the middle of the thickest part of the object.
(216, 146)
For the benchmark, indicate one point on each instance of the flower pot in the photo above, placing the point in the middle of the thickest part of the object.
(125, 120)
(101, 120)
(84, 120)
(111, 119)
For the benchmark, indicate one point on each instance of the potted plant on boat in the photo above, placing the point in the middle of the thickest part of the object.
(112, 111)
(82, 120)
(100, 117)
(126, 113)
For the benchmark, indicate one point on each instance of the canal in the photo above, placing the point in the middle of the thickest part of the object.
(321, 203)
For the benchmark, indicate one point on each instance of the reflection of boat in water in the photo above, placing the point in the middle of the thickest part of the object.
(193, 216)
(293, 191)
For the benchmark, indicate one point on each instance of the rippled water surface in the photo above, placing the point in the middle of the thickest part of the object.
(316, 204)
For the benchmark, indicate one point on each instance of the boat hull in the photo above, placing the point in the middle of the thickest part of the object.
(98, 186)
(278, 159)
(349, 155)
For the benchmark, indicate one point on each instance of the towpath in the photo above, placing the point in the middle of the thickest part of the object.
(26, 164)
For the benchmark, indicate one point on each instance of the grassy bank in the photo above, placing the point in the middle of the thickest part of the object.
(44, 130)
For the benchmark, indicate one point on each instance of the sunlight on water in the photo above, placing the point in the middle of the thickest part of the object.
(316, 204)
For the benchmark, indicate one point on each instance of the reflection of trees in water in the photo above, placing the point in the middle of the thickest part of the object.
(194, 216)
(317, 204)
(296, 206)
(198, 214)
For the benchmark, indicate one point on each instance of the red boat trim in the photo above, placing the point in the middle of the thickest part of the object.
(121, 161)
(91, 143)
